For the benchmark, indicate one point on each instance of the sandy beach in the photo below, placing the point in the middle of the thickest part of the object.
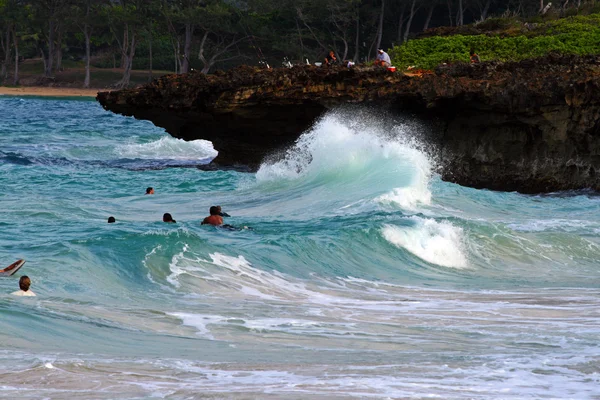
(48, 91)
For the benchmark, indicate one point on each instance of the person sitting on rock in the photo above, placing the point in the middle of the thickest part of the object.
(382, 59)
(474, 57)
(214, 218)
(331, 59)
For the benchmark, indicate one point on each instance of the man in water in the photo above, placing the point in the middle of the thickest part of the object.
(382, 59)
(111, 220)
(24, 284)
(168, 218)
(214, 218)
(150, 190)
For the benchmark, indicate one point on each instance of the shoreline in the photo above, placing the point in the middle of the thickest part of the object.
(48, 91)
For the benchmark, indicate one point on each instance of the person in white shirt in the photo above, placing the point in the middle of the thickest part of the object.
(24, 284)
(383, 59)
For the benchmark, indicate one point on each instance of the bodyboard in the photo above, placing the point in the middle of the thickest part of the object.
(12, 268)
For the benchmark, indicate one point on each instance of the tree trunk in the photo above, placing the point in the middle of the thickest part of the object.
(125, 49)
(380, 26)
(49, 62)
(58, 66)
(16, 43)
(150, 57)
(410, 18)
(6, 49)
(460, 14)
(400, 25)
(300, 39)
(486, 9)
(541, 5)
(345, 49)
(44, 60)
(205, 64)
(449, 2)
(128, 65)
(357, 40)
(87, 34)
(429, 15)
(187, 48)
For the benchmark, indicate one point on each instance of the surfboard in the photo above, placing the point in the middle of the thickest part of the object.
(12, 268)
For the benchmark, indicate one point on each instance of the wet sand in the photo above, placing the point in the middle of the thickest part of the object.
(49, 91)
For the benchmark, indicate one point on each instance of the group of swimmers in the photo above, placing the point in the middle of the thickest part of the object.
(215, 218)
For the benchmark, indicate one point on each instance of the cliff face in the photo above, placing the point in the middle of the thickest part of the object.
(532, 126)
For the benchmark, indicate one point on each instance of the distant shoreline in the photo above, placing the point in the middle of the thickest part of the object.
(48, 91)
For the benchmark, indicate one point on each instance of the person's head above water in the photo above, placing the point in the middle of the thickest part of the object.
(221, 213)
(149, 190)
(214, 218)
(111, 220)
(168, 218)
(24, 283)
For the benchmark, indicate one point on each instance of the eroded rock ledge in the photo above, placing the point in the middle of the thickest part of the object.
(532, 126)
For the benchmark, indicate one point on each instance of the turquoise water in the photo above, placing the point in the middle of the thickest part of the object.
(363, 276)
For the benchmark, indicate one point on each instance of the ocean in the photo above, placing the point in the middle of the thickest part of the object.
(356, 272)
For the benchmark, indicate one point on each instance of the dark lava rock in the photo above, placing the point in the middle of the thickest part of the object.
(530, 126)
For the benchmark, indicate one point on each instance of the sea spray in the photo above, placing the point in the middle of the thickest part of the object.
(168, 148)
(351, 160)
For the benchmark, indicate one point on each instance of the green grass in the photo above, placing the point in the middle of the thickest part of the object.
(572, 35)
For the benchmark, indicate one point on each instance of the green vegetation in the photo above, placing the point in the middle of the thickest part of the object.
(572, 35)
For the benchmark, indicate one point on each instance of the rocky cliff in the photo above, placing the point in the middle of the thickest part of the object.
(532, 126)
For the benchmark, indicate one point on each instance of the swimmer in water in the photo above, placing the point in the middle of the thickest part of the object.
(168, 218)
(215, 218)
(24, 284)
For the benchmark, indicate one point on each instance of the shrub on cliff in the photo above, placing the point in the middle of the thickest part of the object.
(574, 35)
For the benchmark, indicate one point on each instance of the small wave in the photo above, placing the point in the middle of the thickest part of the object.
(14, 158)
(439, 243)
(554, 225)
(169, 148)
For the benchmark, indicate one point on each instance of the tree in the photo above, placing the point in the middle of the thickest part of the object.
(87, 16)
(125, 20)
(49, 18)
(221, 34)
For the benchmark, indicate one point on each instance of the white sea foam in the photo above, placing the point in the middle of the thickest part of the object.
(439, 243)
(169, 148)
(561, 225)
(200, 322)
(174, 267)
